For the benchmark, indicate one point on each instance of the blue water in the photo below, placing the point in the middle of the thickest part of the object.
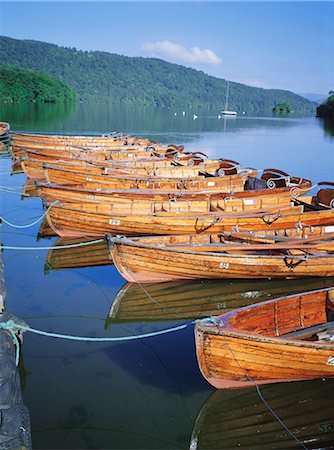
(143, 394)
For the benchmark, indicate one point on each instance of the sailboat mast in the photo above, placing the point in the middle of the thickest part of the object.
(226, 101)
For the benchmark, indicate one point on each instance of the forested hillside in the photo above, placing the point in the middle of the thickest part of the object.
(21, 85)
(326, 109)
(102, 76)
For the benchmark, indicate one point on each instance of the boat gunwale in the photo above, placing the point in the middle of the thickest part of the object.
(112, 240)
(220, 326)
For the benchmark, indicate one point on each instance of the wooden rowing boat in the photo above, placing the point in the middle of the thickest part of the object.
(85, 180)
(34, 166)
(158, 259)
(4, 138)
(86, 154)
(238, 420)
(151, 202)
(57, 138)
(70, 220)
(84, 213)
(180, 300)
(109, 141)
(284, 339)
(234, 194)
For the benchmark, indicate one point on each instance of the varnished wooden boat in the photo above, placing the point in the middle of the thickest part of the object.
(4, 138)
(87, 154)
(285, 339)
(74, 220)
(77, 253)
(152, 202)
(33, 166)
(180, 300)
(184, 198)
(116, 139)
(86, 180)
(142, 260)
(238, 419)
(4, 131)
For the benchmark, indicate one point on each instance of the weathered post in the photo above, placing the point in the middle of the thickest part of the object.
(14, 416)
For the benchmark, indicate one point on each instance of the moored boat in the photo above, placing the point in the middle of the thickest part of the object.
(284, 339)
(156, 259)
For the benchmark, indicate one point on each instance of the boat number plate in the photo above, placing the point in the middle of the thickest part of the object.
(330, 361)
(211, 183)
(223, 265)
(329, 229)
(89, 179)
(114, 222)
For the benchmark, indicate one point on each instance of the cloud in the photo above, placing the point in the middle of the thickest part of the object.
(177, 52)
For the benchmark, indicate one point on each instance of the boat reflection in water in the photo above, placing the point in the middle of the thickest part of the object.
(80, 253)
(174, 300)
(239, 419)
(29, 189)
(198, 298)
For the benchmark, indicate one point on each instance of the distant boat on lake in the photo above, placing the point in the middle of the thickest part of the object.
(226, 112)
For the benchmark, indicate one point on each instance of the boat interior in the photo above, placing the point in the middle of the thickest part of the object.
(308, 316)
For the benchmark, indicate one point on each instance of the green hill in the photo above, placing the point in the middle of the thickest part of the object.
(22, 85)
(102, 76)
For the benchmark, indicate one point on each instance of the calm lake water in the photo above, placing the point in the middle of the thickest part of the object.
(149, 393)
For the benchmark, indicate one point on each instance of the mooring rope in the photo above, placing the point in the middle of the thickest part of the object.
(11, 191)
(30, 224)
(58, 247)
(11, 327)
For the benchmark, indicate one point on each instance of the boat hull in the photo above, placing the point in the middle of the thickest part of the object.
(270, 342)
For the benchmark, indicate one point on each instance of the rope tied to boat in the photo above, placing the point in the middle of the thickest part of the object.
(203, 228)
(289, 261)
(12, 328)
(57, 247)
(13, 225)
(269, 219)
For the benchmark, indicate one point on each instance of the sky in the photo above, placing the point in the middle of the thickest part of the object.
(269, 44)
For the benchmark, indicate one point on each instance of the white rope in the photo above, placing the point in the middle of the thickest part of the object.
(58, 247)
(30, 224)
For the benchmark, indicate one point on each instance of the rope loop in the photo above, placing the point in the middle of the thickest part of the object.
(13, 225)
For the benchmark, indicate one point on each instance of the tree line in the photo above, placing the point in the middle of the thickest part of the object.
(25, 85)
(106, 77)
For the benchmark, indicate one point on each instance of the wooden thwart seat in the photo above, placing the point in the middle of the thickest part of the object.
(305, 333)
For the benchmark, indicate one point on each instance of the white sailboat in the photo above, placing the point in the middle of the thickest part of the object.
(226, 112)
